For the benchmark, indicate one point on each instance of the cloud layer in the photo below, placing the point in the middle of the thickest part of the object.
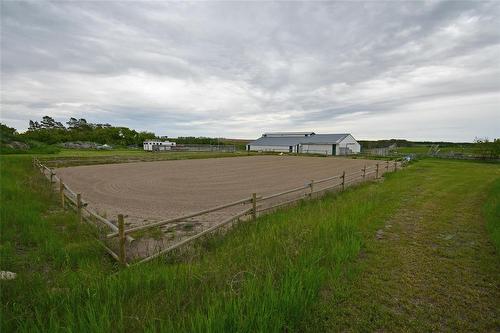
(426, 70)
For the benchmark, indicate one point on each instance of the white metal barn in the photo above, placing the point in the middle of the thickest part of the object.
(156, 145)
(307, 143)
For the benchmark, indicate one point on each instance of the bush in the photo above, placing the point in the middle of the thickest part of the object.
(34, 147)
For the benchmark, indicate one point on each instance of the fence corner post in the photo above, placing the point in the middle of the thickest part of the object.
(121, 236)
(395, 165)
(343, 181)
(377, 171)
(51, 176)
(311, 187)
(364, 172)
(387, 166)
(79, 206)
(61, 193)
(254, 206)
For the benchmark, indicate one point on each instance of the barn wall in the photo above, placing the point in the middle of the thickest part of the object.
(316, 149)
(349, 142)
(283, 149)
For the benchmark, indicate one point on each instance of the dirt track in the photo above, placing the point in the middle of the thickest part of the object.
(157, 190)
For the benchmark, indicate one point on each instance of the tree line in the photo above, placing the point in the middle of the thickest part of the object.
(50, 131)
(486, 148)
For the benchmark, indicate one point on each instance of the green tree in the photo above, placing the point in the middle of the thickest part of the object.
(49, 123)
(7, 133)
(487, 149)
(51, 132)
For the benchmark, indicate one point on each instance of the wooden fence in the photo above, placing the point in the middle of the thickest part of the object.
(204, 148)
(254, 205)
(72, 200)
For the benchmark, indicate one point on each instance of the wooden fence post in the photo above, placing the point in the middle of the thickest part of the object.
(254, 206)
(377, 171)
(364, 172)
(121, 236)
(79, 206)
(387, 166)
(311, 188)
(51, 176)
(61, 193)
(395, 165)
(343, 181)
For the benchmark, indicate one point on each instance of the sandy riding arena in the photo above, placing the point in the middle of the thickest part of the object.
(149, 192)
(157, 190)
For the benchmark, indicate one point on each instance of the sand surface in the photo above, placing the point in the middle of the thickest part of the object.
(148, 191)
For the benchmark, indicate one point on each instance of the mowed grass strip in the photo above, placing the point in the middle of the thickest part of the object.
(262, 276)
(491, 212)
(432, 266)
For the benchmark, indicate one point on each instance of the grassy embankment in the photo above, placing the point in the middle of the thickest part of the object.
(263, 276)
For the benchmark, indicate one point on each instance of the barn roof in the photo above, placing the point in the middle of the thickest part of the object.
(287, 134)
(295, 140)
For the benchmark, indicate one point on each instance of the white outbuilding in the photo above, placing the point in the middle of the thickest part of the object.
(157, 145)
(306, 143)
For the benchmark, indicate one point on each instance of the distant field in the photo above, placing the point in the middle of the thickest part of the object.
(94, 152)
(425, 150)
(124, 152)
(74, 157)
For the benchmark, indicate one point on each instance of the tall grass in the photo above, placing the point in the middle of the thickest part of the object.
(260, 276)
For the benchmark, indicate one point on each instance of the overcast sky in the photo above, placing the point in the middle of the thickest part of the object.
(415, 70)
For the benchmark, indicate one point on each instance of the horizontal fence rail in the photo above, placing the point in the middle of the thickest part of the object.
(72, 200)
(184, 217)
(258, 204)
(217, 226)
(272, 196)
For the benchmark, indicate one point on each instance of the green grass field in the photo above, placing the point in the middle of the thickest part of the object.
(126, 153)
(314, 267)
(425, 150)
(73, 157)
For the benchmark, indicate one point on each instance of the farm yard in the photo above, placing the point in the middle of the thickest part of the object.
(240, 166)
(150, 192)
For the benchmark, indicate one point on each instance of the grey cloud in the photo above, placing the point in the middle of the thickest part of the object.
(200, 68)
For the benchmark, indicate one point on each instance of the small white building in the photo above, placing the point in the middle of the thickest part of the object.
(306, 143)
(157, 145)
